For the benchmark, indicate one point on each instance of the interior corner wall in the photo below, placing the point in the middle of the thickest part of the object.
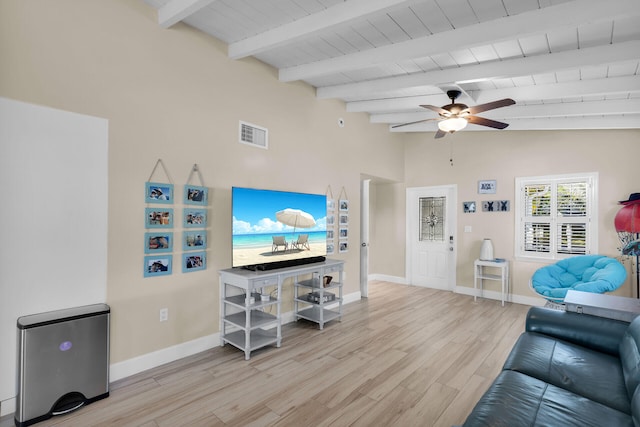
(53, 221)
(173, 94)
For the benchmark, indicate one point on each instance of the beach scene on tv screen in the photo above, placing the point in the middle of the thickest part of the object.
(271, 226)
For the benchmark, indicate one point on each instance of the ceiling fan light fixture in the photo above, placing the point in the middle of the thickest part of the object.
(453, 124)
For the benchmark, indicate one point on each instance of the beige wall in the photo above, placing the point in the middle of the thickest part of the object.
(503, 156)
(173, 94)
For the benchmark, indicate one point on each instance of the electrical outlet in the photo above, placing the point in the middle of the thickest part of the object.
(164, 314)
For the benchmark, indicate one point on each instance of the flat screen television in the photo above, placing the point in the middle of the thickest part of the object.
(274, 229)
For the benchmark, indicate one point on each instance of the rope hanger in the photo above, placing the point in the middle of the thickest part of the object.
(195, 169)
(166, 172)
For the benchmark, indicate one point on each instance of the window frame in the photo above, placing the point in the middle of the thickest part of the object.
(590, 218)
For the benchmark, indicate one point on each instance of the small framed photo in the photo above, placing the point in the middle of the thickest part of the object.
(329, 234)
(330, 248)
(195, 218)
(157, 265)
(331, 219)
(343, 246)
(343, 232)
(194, 261)
(344, 205)
(496, 206)
(158, 242)
(344, 219)
(193, 240)
(487, 186)
(195, 195)
(158, 218)
(158, 192)
(469, 207)
(331, 205)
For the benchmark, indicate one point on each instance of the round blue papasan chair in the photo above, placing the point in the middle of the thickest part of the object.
(586, 273)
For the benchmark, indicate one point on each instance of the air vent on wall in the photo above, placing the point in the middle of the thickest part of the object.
(254, 135)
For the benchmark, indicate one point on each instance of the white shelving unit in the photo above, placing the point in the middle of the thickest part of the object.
(318, 303)
(250, 326)
(481, 273)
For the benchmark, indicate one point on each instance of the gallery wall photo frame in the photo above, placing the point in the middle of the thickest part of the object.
(330, 247)
(194, 261)
(156, 192)
(158, 218)
(196, 195)
(194, 240)
(487, 186)
(469, 207)
(496, 206)
(158, 265)
(194, 218)
(158, 242)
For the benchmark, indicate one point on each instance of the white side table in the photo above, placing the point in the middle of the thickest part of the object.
(480, 274)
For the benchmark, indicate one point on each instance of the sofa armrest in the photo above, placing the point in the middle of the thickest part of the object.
(593, 332)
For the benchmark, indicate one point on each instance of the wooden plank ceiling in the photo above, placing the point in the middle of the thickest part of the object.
(568, 64)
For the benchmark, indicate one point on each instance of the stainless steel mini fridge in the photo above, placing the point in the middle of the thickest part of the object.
(63, 361)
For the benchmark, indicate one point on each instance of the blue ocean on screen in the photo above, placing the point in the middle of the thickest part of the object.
(266, 239)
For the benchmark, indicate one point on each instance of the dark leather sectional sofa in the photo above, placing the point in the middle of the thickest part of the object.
(566, 369)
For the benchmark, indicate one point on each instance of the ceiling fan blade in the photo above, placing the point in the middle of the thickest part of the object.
(411, 123)
(440, 134)
(438, 110)
(491, 105)
(486, 122)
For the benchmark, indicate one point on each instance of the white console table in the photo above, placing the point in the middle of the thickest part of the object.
(482, 273)
(250, 325)
(601, 305)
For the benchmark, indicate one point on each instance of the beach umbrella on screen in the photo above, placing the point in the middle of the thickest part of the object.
(295, 218)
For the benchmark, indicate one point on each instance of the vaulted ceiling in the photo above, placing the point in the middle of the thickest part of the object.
(568, 64)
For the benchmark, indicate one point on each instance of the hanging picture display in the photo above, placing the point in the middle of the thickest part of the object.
(194, 237)
(343, 221)
(158, 244)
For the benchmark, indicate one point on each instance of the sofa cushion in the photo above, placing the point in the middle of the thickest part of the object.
(580, 370)
(515, 399)
(630, 356)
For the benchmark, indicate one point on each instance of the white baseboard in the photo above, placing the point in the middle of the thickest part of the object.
(147, 361)
(126, 368)
(7, 407)
(387, 278)
(518, 299)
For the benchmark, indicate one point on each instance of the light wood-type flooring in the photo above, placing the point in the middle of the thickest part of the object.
(405, 356)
